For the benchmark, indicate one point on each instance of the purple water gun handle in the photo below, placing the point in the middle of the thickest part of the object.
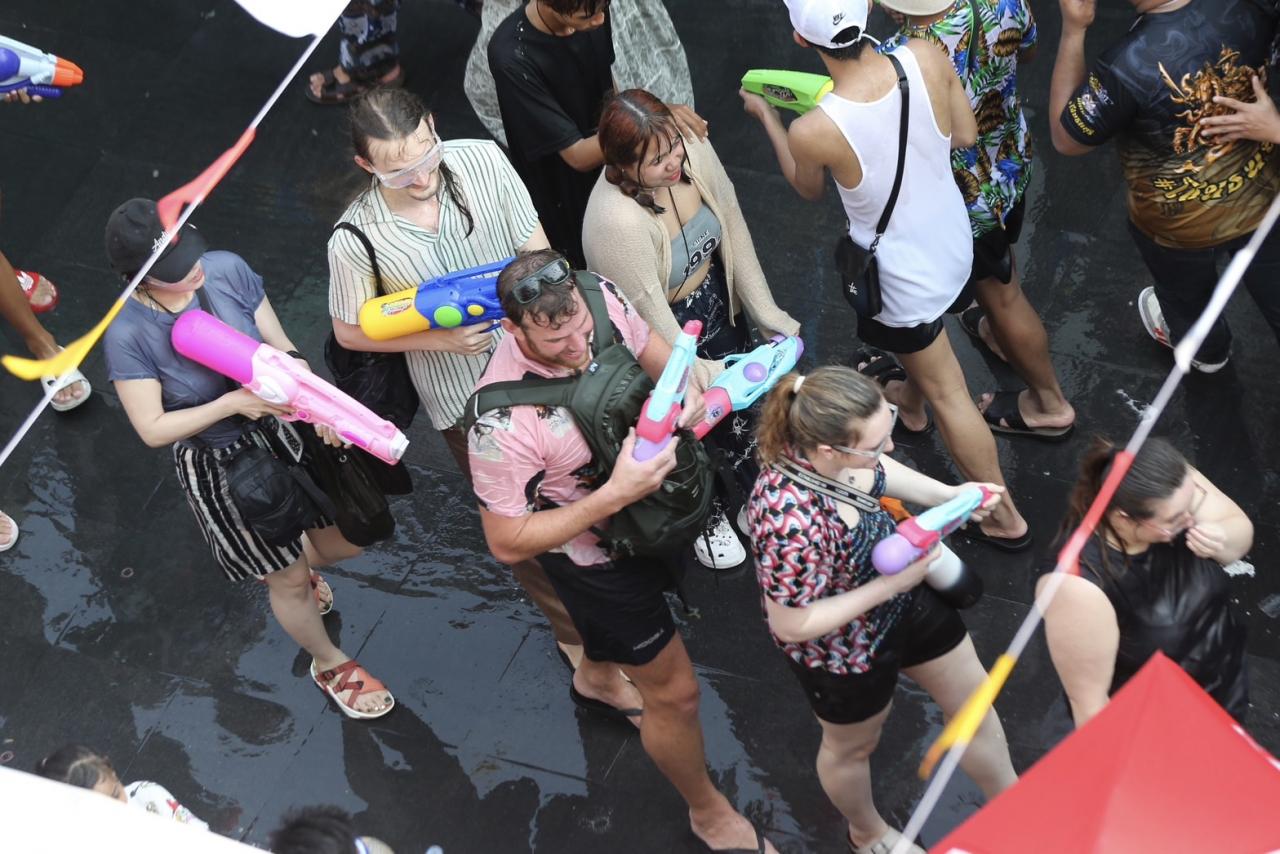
(32, 89)
(646, 450)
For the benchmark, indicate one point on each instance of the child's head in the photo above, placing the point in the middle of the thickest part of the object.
(77, 765)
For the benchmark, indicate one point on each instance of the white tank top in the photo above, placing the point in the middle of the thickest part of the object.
(926, 253)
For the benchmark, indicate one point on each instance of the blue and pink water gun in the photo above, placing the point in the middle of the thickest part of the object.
(662, 410)
(917, 535)
(23, 67)
(461, 298)
(746, 377)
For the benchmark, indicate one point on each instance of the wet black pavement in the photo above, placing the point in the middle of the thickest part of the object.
(119, 631)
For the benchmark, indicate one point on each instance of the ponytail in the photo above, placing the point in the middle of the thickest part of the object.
(823, 408)
(1157, 472)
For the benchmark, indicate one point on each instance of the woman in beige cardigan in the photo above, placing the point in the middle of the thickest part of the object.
(663, 223)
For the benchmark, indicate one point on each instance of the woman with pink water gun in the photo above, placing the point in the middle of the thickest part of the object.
(211, 423)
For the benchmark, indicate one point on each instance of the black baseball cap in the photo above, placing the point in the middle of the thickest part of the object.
(132, 233)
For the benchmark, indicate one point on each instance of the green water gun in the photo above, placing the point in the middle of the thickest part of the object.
(791, 90)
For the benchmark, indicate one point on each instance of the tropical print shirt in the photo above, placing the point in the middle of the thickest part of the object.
(992, 175)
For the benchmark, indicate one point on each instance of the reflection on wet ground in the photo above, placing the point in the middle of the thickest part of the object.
(119, 631)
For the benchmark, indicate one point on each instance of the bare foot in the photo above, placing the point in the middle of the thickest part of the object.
(317, 79)
(988, 338)
(8, 531)
(43, 294)
(726, 830)
(1032, 413)
(573, 652)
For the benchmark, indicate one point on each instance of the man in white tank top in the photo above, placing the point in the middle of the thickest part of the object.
(926, 253)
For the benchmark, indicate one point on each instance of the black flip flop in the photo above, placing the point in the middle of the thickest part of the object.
(971, 322)
(759, 849)
(1003, 417)
(565, 658)
(884, 368)
(1004, 544)
(602, 708)
(880, 366)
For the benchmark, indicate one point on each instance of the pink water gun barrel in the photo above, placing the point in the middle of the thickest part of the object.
(280, 379)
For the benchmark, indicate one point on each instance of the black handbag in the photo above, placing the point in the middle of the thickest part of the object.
(380, 381)
(857, 266)
(361, 511)
(275, 495)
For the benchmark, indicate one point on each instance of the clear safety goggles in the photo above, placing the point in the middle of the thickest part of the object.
(426, 164)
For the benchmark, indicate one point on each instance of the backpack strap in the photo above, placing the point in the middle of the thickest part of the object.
(368, 248)
(545, 391)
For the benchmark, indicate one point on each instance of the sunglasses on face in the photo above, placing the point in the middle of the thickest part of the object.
(872, 453)
(428, 163)
(530, 287)
(1184, 521)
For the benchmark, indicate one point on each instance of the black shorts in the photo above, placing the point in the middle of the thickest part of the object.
(619, 608)
(929, 629)
(910, 339)
(992, 255)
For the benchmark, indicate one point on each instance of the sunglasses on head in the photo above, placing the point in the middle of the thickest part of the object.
(529, 288)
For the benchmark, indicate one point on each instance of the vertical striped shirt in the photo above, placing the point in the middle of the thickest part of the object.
(408, 255)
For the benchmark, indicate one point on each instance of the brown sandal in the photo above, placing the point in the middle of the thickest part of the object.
(351, 677)
(334, 91)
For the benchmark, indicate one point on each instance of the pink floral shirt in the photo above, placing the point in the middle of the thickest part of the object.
(528, 458)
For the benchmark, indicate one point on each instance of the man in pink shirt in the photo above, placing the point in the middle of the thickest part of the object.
(541, 496)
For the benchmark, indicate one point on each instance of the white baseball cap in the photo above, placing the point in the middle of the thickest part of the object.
(820, 21)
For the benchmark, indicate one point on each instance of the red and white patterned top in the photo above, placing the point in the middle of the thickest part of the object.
(805, 552)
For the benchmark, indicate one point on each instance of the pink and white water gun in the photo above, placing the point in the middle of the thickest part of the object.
(279, 379)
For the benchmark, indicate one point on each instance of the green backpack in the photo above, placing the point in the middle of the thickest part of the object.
(605, 401)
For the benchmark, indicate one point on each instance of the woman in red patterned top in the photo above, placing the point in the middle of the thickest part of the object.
(846, 630)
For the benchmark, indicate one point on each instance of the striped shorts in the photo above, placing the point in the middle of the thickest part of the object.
(240, 552)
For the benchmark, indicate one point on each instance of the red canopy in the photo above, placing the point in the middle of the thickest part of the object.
(1161, 769)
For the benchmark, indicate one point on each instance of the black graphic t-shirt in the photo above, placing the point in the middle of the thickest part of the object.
(1150, 90)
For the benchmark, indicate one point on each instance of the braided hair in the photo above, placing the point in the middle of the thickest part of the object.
(632, 123)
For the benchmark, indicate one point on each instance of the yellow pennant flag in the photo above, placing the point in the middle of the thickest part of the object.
(962, 727)
(69, 358)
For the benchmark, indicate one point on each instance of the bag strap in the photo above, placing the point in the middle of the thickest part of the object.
(833, 489)
(368, 247)
(971, 61)
(905, 89)
(547, 391)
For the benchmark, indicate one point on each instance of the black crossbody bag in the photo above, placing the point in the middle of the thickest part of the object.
(857, 266)
(380, 381)
(276, 496)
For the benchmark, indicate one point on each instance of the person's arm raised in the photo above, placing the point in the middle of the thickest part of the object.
(513, 539)
(1069, 72)
(795, 149)
(1222, 532)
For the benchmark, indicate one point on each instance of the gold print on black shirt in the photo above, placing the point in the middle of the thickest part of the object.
(1196, 92)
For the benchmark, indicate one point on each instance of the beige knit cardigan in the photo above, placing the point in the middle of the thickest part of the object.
(628, 244)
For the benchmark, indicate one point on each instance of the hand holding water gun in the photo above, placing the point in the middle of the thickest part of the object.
(799, 91)
(279, 379)
(661, 412)
(917, 535)
(23, 68)
(746, 377)
(461, 298)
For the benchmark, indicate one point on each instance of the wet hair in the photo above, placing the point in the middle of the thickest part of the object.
(1157, 472)
(392, 115)
(632, 124)
(818, 413)
(569, 7)
(555, 305)
(315, 830)
(75, 765)
(849, 51)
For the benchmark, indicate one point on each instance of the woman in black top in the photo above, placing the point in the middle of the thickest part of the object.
(1150, 580)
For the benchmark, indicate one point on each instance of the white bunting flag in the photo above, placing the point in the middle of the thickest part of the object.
(296, 17)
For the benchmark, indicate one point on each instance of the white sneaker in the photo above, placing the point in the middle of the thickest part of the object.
(1153, 322)
(720, 547)
(743, 522)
